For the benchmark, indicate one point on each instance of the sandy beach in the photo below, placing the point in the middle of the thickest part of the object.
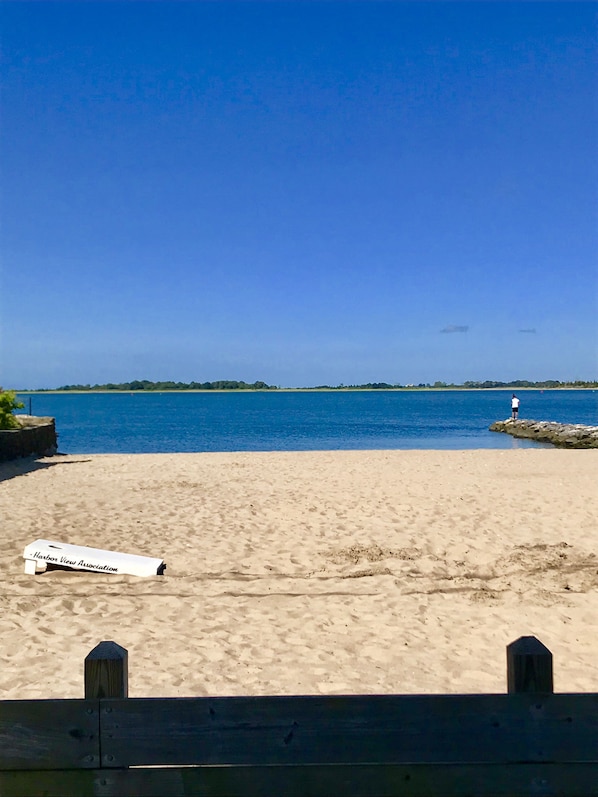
(304, 573)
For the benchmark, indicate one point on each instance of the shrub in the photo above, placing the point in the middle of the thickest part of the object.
(9, 403)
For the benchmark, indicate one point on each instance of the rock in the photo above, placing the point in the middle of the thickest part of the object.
(563, 435)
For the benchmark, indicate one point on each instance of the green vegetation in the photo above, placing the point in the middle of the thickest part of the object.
(9, 403)
(548, 384)
(146, 385)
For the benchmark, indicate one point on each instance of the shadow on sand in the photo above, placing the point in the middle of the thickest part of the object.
(25, 465)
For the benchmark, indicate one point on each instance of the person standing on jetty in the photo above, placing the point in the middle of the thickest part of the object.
(514, 407)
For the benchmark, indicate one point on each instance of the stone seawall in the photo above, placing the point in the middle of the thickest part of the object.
(35, 436)
(563, 435)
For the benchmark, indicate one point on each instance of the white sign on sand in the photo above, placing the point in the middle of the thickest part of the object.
(42, 553)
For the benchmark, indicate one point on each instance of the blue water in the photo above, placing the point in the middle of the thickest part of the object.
(298, 421)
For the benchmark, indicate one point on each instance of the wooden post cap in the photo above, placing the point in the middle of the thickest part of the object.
(529, 666)
(107, 671)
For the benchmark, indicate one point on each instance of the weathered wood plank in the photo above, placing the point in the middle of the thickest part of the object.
(49, 734)
(107, 671)
(360, 780)
(50, 783)
(529, 666)
(353, 729)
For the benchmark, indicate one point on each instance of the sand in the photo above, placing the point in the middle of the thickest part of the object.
(304, 573)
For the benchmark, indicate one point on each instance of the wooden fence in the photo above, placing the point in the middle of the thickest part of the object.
(529, 741)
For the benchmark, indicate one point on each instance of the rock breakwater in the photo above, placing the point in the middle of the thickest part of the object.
(563, 435)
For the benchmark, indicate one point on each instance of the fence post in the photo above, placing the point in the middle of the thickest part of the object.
(107, 671)
(529, 666)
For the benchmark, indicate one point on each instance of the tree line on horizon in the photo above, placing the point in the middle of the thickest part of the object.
(145, 384)
(469, 385)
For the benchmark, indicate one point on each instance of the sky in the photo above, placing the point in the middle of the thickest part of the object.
(302, 193)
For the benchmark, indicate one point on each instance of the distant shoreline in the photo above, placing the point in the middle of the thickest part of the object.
(311, 390)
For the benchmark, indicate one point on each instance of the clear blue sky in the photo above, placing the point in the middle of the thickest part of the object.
(298, 192)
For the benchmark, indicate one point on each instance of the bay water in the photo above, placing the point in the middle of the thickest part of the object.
(170, 422)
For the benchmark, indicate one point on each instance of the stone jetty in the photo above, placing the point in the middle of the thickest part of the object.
(563, 435)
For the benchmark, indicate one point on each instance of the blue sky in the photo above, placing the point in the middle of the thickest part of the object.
(298, 192)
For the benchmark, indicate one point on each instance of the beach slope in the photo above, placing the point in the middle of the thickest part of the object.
(306, 573)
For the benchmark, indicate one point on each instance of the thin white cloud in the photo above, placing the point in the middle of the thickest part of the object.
(455, 328)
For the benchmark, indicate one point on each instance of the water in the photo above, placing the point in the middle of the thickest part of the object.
(298, 421)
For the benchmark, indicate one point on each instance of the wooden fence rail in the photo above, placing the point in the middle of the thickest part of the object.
(529, 741)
